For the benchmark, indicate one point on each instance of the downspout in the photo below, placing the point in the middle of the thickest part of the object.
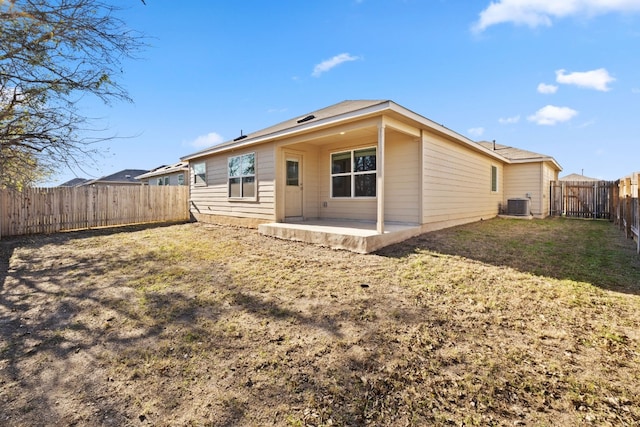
(380, 178)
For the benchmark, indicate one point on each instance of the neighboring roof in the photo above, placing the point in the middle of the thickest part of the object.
(577, 177)
(517, 155)
(341, 112)
(165, 170)
(75, 182)
(126, 176)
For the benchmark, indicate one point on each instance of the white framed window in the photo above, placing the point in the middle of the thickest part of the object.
(181, 179)
(200, 174)
(494, 179)
(242, 176)
(353, 173)
(160, 181)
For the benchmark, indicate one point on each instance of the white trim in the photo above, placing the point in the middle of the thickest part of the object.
(352, 174)
(199, 184)
(255, 179)
(380, 177)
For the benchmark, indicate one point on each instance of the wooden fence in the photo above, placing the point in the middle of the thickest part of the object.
(584, 199)
(49, 210)
(628, 209)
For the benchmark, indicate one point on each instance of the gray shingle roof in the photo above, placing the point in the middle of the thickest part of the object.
(124, 176)
(513, 153)
(314, 116)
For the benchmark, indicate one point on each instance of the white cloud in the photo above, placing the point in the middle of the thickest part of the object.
(328, 64)
(206, 140)
(534, 13)
(551, 115)
(635, 90)
(476, 132)
(509, 120)
(547, 89)
(594, 79)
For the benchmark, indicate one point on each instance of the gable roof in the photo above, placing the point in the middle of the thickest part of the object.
(305, 121)
(164, 170)
(341, 112)
(518, 155)
(75, 182)
(577, 177)
(358, 109)
(125, 176)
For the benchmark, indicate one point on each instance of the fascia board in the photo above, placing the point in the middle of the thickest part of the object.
(446, 131)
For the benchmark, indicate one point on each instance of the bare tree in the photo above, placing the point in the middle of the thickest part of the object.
(52, 53)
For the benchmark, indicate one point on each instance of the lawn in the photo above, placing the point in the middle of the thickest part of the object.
(500, 322)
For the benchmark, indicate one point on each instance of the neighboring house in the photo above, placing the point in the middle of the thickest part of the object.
(75, 182)
(175, 174)
(361, 175)
(629, 185)
(124, 177)
(576, 177)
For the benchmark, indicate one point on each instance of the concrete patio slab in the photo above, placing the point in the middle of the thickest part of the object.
(356, 236)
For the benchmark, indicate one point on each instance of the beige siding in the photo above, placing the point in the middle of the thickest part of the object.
(522, 180)
(402, 179)
(457, 183)
(311, 205)
(362, 209)
(212, 199)
(173, 178)
(402, 183)
(549, 174)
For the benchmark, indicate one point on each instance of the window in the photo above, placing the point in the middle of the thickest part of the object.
(293, 172)
(160, 181)
(353, 173)
(200, 174)
(494, 179)
(181, 179)
(166, 180)
(242, 176)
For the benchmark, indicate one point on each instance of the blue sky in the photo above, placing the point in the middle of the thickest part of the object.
(555, 77)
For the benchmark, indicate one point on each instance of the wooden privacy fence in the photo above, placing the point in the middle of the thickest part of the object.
(49, 210)
(628, 209)
(584, 199)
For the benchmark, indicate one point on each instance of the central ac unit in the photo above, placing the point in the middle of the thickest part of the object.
(518, 207)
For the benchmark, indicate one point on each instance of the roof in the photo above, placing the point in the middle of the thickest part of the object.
(577, 177)
(299, 122)
(125, 176)
(165, 170)
(518, 155)
(350, 110)
(75, 182)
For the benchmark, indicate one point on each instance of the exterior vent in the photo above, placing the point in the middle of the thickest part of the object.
(240, 137)
(306, 119)
(518, 207)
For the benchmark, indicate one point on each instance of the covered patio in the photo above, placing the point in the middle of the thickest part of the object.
(356, 236)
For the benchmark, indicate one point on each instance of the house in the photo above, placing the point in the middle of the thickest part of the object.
(174, 174)
(576, 177)
(527, 178)
(75, 182)
(361, 175)
(124, 177)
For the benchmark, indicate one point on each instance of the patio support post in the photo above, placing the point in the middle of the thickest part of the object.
(380, 177)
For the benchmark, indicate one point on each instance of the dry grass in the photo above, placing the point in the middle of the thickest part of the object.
(495, 323)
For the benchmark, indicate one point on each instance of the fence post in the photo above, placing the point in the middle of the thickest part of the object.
(637, 219)
(628, 217)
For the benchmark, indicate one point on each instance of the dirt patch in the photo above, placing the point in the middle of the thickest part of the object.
(203, 325)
